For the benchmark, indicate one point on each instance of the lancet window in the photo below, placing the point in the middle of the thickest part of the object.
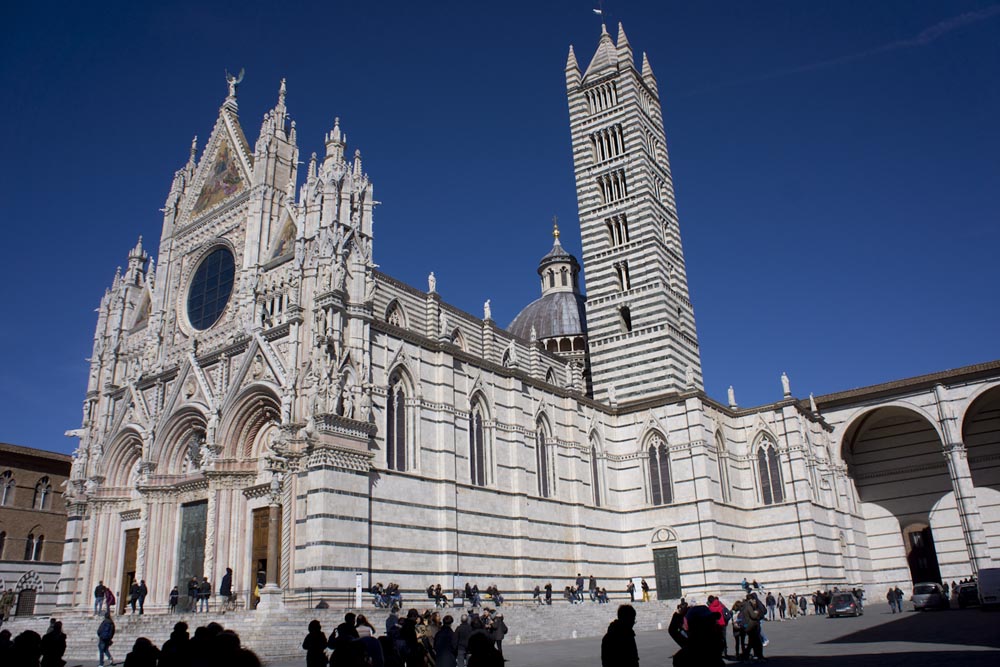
(395, 427)
(43, 492)
(617, 227)
(542, 462)
(612, 186)
(660, 487)
(7, 488)
(769, 471)
(595, 476)
(477, 446)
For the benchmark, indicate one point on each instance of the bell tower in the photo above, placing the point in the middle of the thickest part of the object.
(640, 323)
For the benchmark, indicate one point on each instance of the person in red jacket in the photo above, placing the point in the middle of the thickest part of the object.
(715, 605)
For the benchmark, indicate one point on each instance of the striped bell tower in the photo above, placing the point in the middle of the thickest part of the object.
(642, 337)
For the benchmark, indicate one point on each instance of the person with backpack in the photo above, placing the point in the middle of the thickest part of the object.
(109, 600)
(105, 637)
(715, 605)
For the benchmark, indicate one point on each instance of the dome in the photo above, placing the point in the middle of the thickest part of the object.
(555, 314)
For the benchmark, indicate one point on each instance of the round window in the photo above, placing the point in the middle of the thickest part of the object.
(210, 288)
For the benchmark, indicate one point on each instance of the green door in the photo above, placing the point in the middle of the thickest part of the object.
(668, 573)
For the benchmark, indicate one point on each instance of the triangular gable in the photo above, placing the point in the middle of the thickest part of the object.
(187, 388)
(224, 169)
(651, 423)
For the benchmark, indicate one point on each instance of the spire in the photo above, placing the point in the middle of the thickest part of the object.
(357, 162)
(572, 69)
(281, 93)
(335, 142)
(555, 228)
(605, 57)
(137, 252)
(625, 56)
(647, 74)
(194, 150)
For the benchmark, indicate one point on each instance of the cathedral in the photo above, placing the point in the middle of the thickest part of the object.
(262, 398)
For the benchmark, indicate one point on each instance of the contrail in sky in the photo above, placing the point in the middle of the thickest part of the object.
(923, 38)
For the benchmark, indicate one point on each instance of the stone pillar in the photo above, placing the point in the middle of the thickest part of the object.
(271, 597)
(968, 507)
(961, 483)
(70, 581)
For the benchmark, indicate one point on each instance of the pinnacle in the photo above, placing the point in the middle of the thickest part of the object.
(622, 39)
(571, 59)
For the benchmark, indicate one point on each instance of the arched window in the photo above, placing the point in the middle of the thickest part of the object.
(7, 488)
(29, 546)
(661, 491)
(42, 492)
(722, 458)
(542, 461)
(477, 446)
(595, 476)
(395, 427)
(37, 551)
(3, 542)
(626, 318)
(769, 470)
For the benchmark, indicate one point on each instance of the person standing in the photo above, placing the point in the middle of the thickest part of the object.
(593, 588)
(462, 635)
(782, 605)
(99, 598)
(618, 645)
(105, 637)
(548, 593)
(630, 588)
(899, 600)
(446, 644)
(226, 587)
(752, 615)
(890, 597)
(143, 592)
(645, 590)
(579, 587)
(204, 593)
(53, 645)
(771, 605)
(315, 645)
(499, 630)
(133, 595)
(192, 589)
(793, 606)
(174, 597)
(110, 601)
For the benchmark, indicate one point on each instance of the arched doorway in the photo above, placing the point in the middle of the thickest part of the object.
(895, 457)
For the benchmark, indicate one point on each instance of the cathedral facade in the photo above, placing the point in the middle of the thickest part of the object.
(261, 397)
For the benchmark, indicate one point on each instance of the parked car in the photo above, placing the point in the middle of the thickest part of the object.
(844, 604)
(968, 595)
(929, 596)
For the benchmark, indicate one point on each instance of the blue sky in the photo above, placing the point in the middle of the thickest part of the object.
(835, 164)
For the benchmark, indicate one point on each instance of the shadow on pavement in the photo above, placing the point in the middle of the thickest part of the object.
(907, 659)
(974, 628)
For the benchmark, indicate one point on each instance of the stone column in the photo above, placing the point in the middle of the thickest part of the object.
(968, 507)
(271, 598)
(70, 581)
(961, 483)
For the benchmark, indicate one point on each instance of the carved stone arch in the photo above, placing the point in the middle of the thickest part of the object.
(183, 431)
(973, 398)
(400, 372)
(550, 376)
(596, 443)
(458, 340)
(719, 439)
(121, 458)
(479, 397)
(395, 314)
(663, 535)
(30, 580)
(855, 422)
(980, 426)
(651, 436)
(651, 426)
(542, 421)
(507, 361)
(247, 416)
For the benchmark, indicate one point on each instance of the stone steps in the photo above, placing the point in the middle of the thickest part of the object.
(278, 635)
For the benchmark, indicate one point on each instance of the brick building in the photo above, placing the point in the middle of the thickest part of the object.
(32, 525)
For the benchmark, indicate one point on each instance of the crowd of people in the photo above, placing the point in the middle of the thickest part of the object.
(413, 639)
(211, 645)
